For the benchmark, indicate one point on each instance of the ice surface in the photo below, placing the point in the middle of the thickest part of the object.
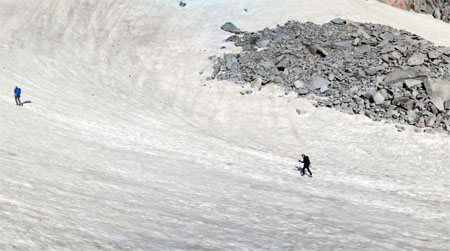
(123, 147)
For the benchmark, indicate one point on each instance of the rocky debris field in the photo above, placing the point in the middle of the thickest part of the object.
(357, 68)
(440, 9)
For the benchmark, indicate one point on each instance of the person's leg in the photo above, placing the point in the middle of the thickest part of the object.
(18, 99)
(303, 171)
(310, 173)
(15, 98)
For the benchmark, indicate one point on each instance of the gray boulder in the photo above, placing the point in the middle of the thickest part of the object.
(378, 98)
(404, 102)
(257, 83)
(283, 64)
(298, 84)
(400, 75)
(439, 91)
(324, 89)
(231, 62)
(433, 54)
(354, 89)
(447, 105)
(370, 93)
(318, 82)
(215, 71)
(303, 91)
(230, 27)
(388, 36)
(363, 49)
(337, 21)
(410, 83)
(430, 121)
(416, 59)
(263, 43)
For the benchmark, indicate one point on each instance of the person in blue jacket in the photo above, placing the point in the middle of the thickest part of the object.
(17, 92)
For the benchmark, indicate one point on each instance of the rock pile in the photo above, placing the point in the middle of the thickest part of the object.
(370, 69)
(440, 9)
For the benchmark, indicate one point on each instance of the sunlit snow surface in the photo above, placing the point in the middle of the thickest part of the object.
(123, 147)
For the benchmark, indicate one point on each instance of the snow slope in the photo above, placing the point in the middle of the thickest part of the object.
(125, 145)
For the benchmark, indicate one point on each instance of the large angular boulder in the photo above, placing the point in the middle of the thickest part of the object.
(400, 75)
(416, 59)
(439, 92)
(318, 82)
(378, 98)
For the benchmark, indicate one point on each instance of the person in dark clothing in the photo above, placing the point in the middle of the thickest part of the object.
(306, 164)
(17, 92)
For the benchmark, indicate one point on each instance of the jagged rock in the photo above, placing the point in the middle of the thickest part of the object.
(230, 27)
(439, 91)
(263, 43)
(378, 98)
(303, 91)
(416, 59)
(338, 21)
(430, 121)
(395, 55)
(298, 84)
(233, 38)
(318, 82)
(363, 33)
(257, 83)
(411, 117)
(231, 62)
(387, 49)
(354, 89)
(387, 36)
(402, 49)
(447, 105)
(400, 75)
(433, 55)
(370, 93)
(437, 13)
(404, 102)
(215, 71)
(283, 64)
(363, 49)
(315, 49)
(410, 83)
(324, 89)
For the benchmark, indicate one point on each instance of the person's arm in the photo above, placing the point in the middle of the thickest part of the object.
(300, 161)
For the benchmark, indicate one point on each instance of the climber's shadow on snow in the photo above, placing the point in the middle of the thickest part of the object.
(299, 169)
(26, 102)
